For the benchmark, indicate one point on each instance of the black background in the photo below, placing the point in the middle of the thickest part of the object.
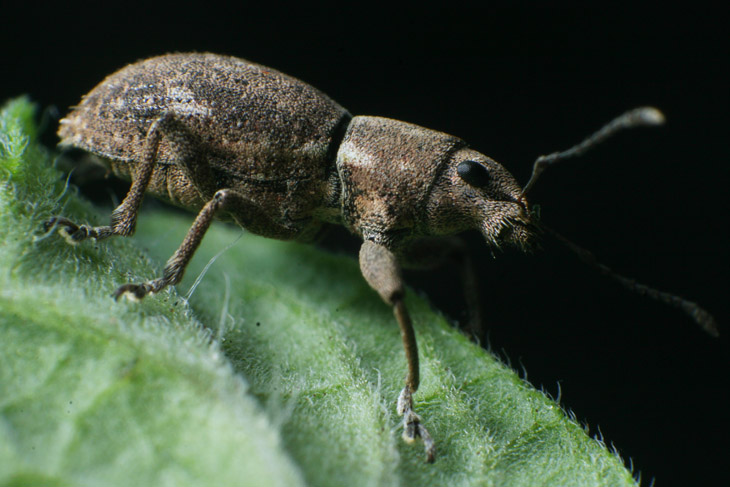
(515, 83)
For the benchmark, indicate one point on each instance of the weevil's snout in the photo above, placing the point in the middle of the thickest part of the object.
(474, 191)
(508, 222)
(519, 232)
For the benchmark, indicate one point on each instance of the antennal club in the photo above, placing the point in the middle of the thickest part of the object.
(638, 117)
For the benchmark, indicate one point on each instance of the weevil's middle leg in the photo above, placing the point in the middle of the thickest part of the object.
(432, 252)
(380, 269)
(175, 267)
(226, 200)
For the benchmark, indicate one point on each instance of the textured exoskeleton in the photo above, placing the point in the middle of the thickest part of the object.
(296, 157)
(232, 139)
(212, 133)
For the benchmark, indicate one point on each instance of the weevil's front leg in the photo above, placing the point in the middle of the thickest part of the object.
(226, 200)
(380, 269)
(124, 217)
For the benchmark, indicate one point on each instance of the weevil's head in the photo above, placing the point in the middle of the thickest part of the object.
(474, 191)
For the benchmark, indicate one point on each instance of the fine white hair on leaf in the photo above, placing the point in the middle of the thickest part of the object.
(224, 311)
(207, 266)
(66, 184)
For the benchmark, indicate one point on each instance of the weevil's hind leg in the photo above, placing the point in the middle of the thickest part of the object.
(124, 217)
(432, 252)
(380, 269)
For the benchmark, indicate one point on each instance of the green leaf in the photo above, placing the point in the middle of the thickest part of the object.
(283, 368)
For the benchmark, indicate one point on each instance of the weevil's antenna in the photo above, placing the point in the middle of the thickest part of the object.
(697, 313)
(633, 118)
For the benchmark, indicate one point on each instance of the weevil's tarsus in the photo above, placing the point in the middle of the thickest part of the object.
(428, 444)
(698, 314)
(638, 117)
(412, 426)
(70, 231)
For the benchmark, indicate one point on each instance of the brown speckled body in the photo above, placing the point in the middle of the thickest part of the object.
(225, 137)
(298, 156)
(270, 136)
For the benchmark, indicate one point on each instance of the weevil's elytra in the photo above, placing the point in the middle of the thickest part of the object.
(227, 138)
(252, 128)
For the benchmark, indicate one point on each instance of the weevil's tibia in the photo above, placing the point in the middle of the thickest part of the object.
(380, 269)
(634, 118)
(696, 312)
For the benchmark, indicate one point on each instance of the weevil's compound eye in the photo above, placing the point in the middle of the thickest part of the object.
(473, 173)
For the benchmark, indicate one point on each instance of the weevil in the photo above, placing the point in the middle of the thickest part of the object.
(231, 139)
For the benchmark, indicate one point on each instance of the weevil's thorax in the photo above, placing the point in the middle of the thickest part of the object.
(387, 169)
